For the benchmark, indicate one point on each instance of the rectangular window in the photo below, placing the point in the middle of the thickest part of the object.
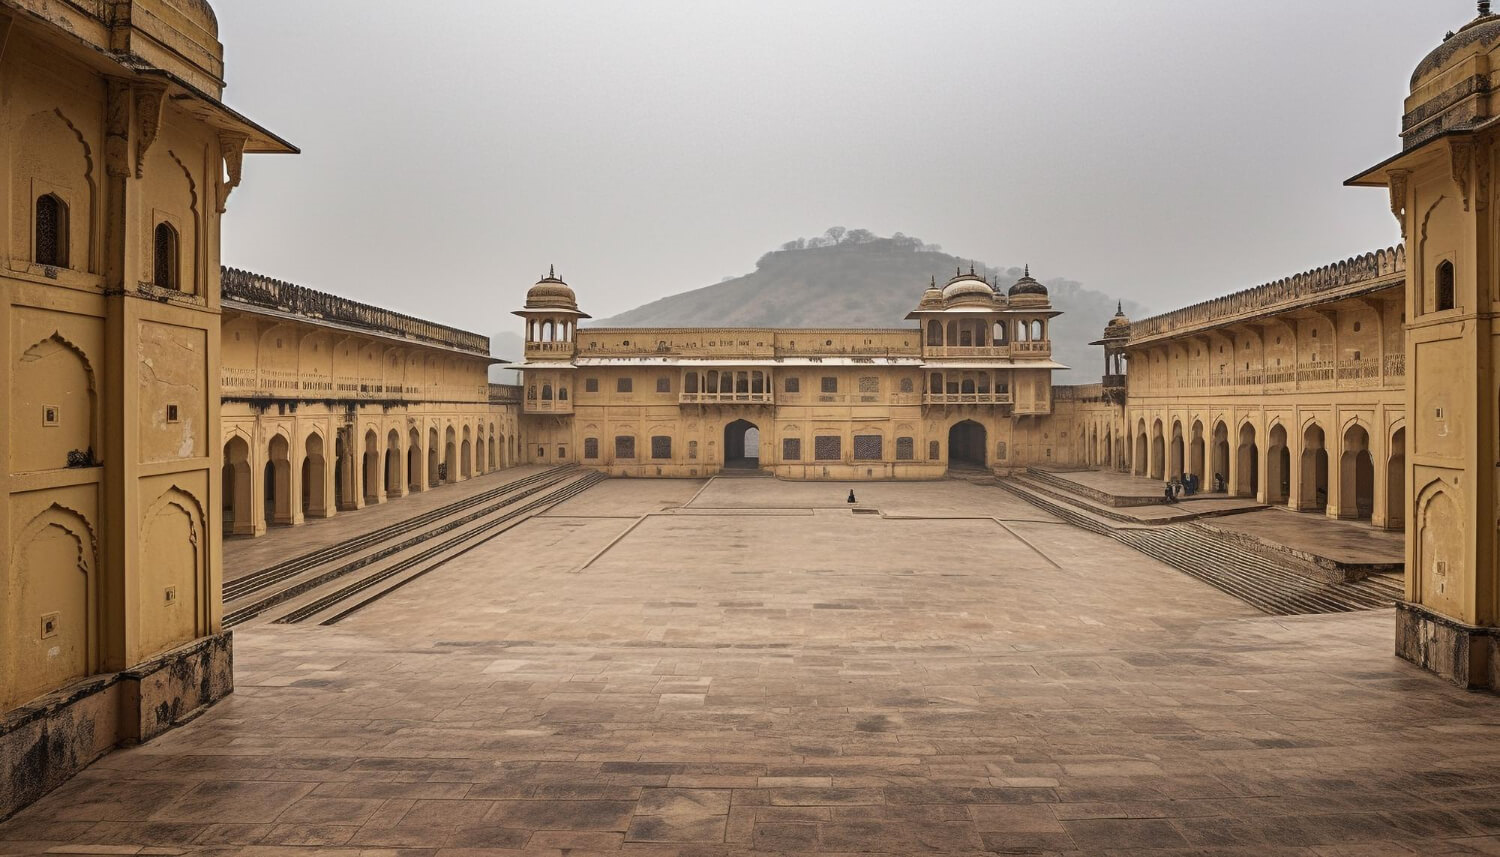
(828, 447)
(794, 385)
(906, 449)
(830, 384)
(625, 446)
(868, 447)
(664, 384)
(906, 385)
(661, 446)
(591, 385)
(591, 447)
(172, 409)
(869, 384)
(623, 385)
(791, 449)
(934, 452)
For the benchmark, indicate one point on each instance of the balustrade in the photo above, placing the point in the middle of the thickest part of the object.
(726, 398)
(967, 399)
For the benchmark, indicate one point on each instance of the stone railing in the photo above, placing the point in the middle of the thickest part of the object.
(505, 394)
(1078, 393)
(726, 398)
(1319, 375)
(1351, 274)
(256, 290)
(967, 351)
(966, 399)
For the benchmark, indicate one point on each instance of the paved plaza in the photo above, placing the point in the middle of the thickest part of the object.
(747, 666)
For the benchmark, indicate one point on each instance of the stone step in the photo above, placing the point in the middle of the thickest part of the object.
(1265, 584)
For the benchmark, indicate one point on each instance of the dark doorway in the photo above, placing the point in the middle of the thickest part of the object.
(967, 445)
(742, 445)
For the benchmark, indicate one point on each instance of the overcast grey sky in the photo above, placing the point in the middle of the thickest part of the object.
(1164, 150)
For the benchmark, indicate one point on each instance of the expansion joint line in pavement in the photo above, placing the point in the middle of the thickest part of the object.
(751, 512)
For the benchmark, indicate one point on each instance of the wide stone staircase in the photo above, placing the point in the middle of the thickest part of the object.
(1279, 585)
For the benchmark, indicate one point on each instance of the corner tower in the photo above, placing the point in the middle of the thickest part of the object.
(552, 317)
(1442, 195)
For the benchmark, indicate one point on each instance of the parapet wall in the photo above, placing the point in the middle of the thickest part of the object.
(256, 290)
(1379, 269)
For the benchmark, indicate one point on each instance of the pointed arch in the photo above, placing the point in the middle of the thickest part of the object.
(53, 615)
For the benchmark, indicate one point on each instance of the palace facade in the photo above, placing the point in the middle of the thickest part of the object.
(330, 404)
(970, 384)
(117, 158)
(1292, 393)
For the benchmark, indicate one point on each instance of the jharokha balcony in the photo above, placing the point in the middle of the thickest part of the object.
(549, 406)
(986, 398)
(727, 399)
(559, 347)
(967, 351)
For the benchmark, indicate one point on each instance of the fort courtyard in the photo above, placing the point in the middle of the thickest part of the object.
(736, 665)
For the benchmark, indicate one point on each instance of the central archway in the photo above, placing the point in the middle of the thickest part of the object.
(742, 445)
(967, 445)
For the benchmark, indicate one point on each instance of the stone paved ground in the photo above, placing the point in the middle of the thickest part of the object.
(757, 676)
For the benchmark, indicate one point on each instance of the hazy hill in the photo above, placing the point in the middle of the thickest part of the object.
(854, 279)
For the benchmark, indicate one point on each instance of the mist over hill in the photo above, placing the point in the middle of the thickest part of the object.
(852, 278)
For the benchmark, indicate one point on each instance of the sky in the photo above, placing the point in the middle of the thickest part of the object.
(1165, 151)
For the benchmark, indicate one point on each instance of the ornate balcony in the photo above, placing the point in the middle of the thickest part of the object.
(967, 351)
(549, 347)
(967, 399)
(1040, 348)
(549, 406)
(726, 399)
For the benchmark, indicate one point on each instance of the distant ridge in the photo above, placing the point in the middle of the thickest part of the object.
(852, 278)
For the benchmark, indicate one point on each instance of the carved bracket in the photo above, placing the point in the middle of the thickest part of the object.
(1462, 151)
(232, 146)
(1400, 180)
(149, 99)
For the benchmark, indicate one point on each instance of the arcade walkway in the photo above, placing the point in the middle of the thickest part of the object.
(746, 666)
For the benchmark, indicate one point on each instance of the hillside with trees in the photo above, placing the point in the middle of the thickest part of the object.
(853, 278)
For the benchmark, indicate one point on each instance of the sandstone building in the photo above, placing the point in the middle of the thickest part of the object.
(969, 384)
(118, 160)
(331, 405)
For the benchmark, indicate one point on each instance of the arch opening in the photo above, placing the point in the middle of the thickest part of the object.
(742, 445)
(968, 446)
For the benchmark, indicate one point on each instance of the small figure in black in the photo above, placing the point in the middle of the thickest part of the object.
(851, 496)
(1167, 493)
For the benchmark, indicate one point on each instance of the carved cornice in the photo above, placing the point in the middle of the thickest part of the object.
(1400, 180)
(149, 98)
(232, 147)
(1461, 152)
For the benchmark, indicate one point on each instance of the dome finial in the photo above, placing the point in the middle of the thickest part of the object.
(1484, 8)
(1028, 269)
(971, 269)
(551, 272)
(1119, 307)
(932, 282)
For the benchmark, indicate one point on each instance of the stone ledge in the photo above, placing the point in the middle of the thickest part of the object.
(46, 741)
(1463, 654)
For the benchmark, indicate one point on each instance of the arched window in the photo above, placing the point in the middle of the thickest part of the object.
(546, 392)
(165, 267)
(562, 394)
(1444, 286)
(51, 231)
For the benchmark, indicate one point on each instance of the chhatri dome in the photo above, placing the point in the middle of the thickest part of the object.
(199, 13)
(933, 297)
(968, 288)
(551, 292)
(1442, 99)
(1119, 325)
(1028, 286)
